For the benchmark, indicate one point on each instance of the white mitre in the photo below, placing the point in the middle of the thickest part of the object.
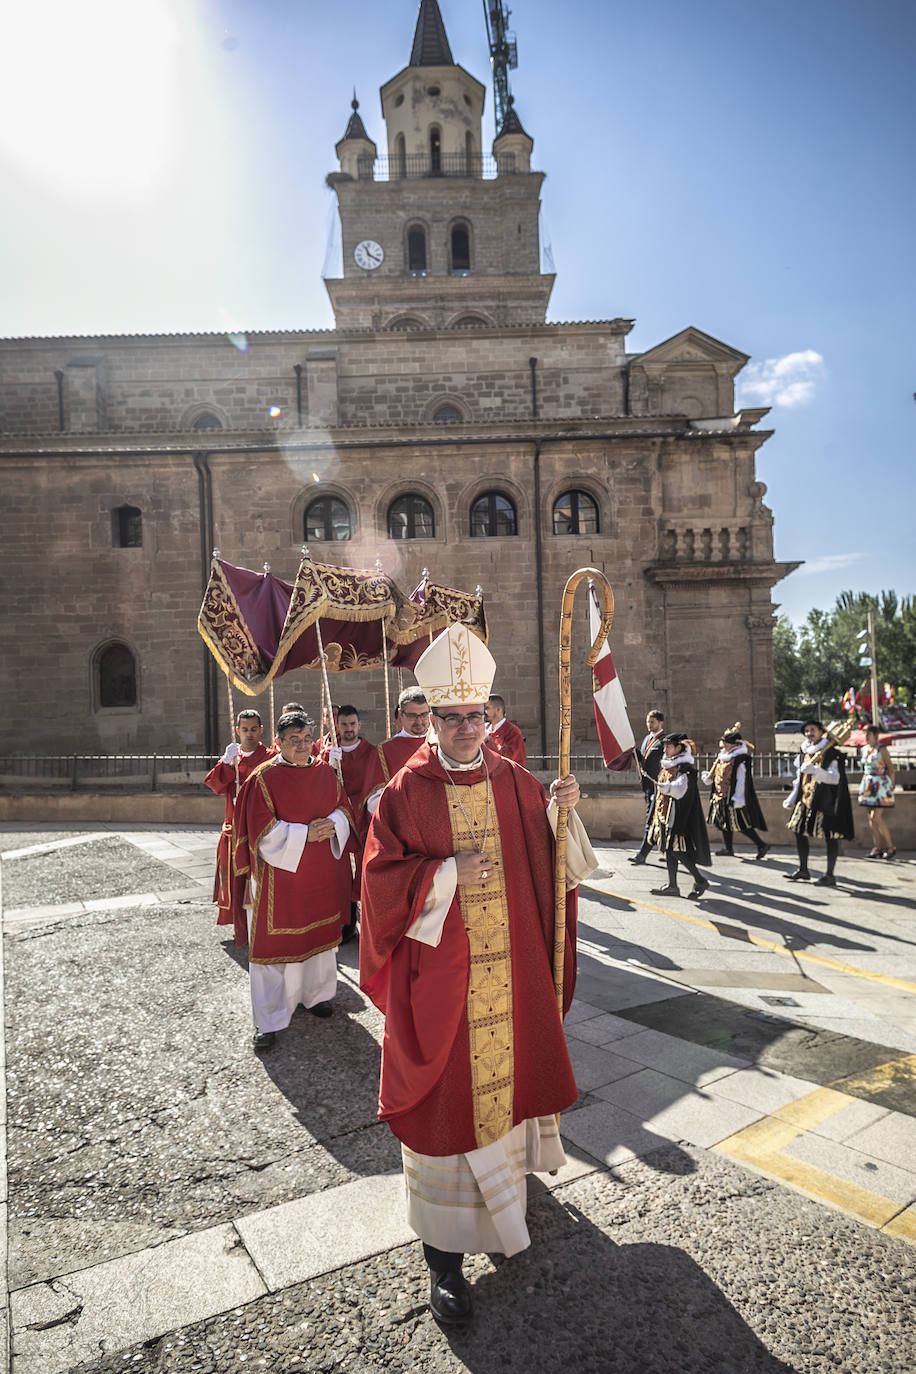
(456, 670)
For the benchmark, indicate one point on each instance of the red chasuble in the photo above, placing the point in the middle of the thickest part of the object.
(296, 914)
(228, 886)
(427, 1095)
(509, 741)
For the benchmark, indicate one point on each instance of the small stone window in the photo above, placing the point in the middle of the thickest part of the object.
(327, 519)
(117, 676)
(575, 512)
(416, 250)
(435, 151)
(411, 517)
(448, 415)
(207, 421)
(127, 528)
(491, 514)
(461, 250)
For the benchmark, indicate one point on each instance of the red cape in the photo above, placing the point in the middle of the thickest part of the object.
(426, 1090)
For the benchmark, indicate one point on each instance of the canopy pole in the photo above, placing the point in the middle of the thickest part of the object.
(387, 684)
(231, 706)
(273, 724)
(326, 688)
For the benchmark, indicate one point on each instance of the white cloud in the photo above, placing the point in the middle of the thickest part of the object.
(830, 562)
(787, 381)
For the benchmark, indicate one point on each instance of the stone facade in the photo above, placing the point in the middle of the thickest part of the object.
(227, 442)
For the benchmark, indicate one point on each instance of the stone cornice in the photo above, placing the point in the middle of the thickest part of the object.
(693, 574)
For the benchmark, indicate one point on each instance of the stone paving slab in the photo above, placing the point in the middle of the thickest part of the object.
(594, 1066)
(301, 1239)
(854, 1166)
(764, 1089)
(663, 1107)
(135, 1298)
(693, 1064)
(891, 1137)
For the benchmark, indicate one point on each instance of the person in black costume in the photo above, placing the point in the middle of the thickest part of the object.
(651, 751)
(733, 803)
(819, 801)
(678, 827)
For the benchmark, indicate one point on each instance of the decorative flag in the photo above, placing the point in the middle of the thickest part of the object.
(849, 700)
(614, 733)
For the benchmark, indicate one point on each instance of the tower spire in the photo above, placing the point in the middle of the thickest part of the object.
(430, 41)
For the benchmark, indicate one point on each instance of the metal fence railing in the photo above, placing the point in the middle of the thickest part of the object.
(168, 772)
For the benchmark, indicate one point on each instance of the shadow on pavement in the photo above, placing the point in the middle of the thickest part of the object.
(599, 1307)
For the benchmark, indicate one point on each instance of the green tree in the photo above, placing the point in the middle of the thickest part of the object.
(786, 668)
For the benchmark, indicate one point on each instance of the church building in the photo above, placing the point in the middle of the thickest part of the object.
(444, 423)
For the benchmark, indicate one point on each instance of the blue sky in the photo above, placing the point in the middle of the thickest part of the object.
(747, 169)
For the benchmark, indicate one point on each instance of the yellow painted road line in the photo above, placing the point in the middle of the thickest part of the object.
(740, 933)
(761, 1146)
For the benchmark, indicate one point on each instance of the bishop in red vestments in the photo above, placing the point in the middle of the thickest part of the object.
(242, 757)
(293, 831)
(456, 950)
(506, 738)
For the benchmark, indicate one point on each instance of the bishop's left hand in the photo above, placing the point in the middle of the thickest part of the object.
(565, 791)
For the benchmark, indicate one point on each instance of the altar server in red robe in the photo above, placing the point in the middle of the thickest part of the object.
(506, 738)
(356, 756)
(456, 949)
(293, 832)
(242, 757)
(412, 715)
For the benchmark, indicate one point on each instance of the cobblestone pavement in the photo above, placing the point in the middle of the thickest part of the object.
(739, 1197)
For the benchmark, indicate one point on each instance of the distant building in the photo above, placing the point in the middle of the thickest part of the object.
(448, 426)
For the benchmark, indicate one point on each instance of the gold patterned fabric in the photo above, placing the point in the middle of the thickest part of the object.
(485, 912)
(721, 777)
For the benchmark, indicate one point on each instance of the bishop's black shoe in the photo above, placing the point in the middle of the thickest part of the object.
(322, 1009)
(263, 1041)
(449, 1295)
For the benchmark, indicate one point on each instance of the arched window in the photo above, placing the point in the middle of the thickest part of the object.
(327, 518)
(127, 528)
(207, 421)
(461, 250)
(435, 151)
(493, 513)
(117, 676)
(416, 250)
(469, 152)
(400, 156)
(575, 512)
(470, 322)
(448, 415)
(411, 517)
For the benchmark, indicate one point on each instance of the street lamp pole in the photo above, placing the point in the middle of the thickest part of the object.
(875, 718)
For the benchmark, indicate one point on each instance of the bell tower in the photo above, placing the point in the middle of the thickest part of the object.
(436, 232)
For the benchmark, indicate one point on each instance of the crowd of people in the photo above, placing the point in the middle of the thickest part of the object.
(440, 844)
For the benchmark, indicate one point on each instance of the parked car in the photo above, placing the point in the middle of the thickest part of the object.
(789, 727)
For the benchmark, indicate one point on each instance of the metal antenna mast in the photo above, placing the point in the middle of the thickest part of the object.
(503, 56)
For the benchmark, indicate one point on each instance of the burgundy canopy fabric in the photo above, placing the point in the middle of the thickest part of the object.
(258, 627)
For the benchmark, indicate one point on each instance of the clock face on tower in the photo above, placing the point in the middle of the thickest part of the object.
(368, 254)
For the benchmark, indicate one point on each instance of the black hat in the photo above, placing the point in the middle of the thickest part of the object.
(676, 737)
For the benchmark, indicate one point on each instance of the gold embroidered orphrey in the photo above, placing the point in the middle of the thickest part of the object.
(485, 912)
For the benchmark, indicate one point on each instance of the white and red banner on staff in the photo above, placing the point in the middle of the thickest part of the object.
(614, 733)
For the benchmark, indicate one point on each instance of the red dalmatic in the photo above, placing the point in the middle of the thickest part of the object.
(226, 780)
